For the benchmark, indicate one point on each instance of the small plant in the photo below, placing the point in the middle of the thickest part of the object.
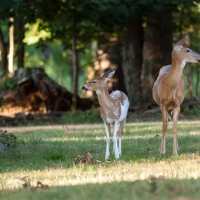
(55, 155)
(7, 139)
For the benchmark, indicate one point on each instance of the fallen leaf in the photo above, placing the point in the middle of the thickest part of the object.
(87, 158)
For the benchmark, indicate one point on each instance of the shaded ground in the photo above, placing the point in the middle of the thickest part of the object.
(83, 117)
(20, 119)
(54, 118)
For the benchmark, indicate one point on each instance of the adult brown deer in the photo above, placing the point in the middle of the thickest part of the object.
(114, 109)
(168, 89)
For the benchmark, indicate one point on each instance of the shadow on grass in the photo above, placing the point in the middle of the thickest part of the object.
(152, 188)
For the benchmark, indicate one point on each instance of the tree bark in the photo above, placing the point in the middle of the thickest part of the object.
(20, 52)
(110, 57)
(11, 45)
(3, 51)
(117, 59)
(75, 67)
(157, 49)
(132, 46)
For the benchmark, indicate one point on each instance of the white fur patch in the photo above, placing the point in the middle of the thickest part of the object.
(183, 64)
(110, 121)
(124, 109)
(124, 104)
(116, 94)
(98, 92)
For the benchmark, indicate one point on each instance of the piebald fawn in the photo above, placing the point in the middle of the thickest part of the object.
(114, 109)
(168, 89)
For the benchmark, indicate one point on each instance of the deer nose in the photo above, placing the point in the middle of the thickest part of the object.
(84, 87)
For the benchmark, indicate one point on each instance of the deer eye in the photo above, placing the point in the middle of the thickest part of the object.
(93, 81)
(188, 50)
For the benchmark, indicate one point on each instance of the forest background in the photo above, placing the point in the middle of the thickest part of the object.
(73, 41)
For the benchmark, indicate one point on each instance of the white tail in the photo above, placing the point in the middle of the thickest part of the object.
(114, 109)
(168, 89)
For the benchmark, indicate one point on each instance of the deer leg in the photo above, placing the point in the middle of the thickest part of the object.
(120, 145)
(119, 134)
(107, 129)
(169, 118)
(116, 129)
(165, 119)
(175, 120)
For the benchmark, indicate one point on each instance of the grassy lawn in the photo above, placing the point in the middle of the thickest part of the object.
(41, 163)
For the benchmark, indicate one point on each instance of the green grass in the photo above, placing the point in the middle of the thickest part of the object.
(47, 154)
(81, 117)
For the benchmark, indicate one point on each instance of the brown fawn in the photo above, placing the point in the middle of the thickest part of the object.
(168, 89)
(114, 109)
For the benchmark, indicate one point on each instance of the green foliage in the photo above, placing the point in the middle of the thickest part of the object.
(8, 83)
(191, 112)
(57, 61)
(90, 21)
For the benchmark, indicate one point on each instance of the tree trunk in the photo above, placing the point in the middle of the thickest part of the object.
(109, 57)
(117, 59)
(3, 52)
(75, 67)
(132, 45)
(20, 52)
(11, 43)
(157, 49)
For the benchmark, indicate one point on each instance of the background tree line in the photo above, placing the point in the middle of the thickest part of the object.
(133, 36)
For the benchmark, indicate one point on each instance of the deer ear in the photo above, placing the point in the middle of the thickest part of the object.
(109, 74)
(179, 44)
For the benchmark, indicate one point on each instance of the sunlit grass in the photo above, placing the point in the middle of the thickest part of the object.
(47, 154)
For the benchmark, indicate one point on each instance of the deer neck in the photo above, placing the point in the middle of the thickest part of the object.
(104, 98)
(176, 70)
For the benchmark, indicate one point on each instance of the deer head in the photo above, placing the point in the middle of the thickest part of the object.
(183, 53)
(99, 82)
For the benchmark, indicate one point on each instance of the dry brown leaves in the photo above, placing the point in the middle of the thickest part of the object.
(27, 184)
(87, 158)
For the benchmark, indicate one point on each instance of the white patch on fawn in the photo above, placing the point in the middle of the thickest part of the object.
(124, 109)
(109, 120)
(124, 104)
(116, 94)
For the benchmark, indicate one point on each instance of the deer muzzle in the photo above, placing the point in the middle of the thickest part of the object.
(84, 87)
